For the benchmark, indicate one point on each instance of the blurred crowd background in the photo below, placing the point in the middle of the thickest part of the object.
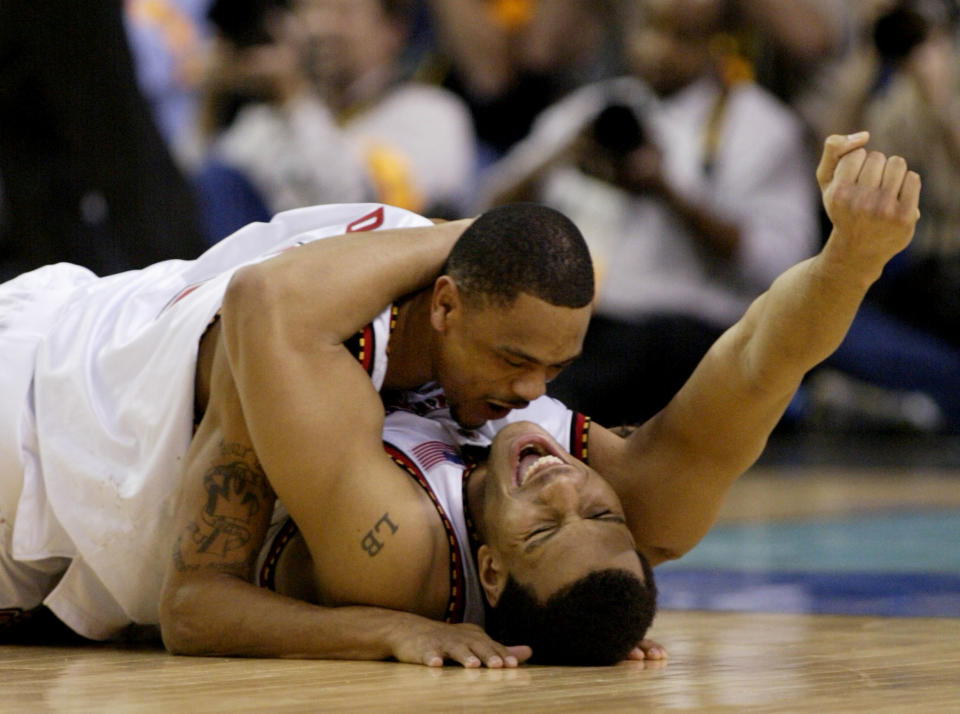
(680, 135)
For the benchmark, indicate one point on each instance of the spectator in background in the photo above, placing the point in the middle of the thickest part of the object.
(787, 40)
(329, 115)
(510, 59)
(692, 185)
(168, 39)
(87, 177)
(901, 81)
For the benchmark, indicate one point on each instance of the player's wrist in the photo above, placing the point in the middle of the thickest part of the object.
(844, 264)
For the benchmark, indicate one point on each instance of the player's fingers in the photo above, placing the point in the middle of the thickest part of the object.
(492, 654)
(495, 655)
(836, 147)
(432, 658)
(849, 167)
(506, 656)
(649, 649)
(521, 653)
(655, 651)
(464, 654)
(894, 172)
(910, 194)
(871, 172)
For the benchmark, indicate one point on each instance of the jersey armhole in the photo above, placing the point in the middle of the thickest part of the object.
(580, 437)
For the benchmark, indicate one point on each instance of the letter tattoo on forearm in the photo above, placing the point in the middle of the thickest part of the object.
(373, 545)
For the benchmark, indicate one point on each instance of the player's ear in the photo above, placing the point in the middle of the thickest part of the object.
(445, 303)
(493, 576)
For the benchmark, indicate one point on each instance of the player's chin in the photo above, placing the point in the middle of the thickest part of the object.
(466, 417)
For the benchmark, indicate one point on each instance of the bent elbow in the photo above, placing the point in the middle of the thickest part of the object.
(657, 555)
(248, 291)
(180, 628)
(248, 304)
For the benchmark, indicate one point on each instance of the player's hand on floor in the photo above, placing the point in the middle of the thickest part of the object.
(432, 643)
(648, 650)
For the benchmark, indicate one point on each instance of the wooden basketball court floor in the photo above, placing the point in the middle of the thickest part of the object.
(829, 585)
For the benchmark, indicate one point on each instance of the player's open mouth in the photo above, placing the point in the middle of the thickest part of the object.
(534, 456)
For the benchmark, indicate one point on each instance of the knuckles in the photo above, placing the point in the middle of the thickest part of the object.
(852, 204)
(869, 196)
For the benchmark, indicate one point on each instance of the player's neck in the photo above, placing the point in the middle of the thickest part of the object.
(412, 344)
(473, 502)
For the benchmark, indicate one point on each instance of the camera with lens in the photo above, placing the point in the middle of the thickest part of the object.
(617, 131)
(904, 26)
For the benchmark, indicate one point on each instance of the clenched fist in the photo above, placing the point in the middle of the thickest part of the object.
(871, 200)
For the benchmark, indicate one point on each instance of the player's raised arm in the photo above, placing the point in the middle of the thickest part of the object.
(673, 473)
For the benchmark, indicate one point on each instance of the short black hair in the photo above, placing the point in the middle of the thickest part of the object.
(523, 248)
(596, 620)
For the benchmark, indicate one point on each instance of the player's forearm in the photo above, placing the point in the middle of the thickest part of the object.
(799, 322)
(325, 291)
(681, 464)
(677, 468)
(218, 614)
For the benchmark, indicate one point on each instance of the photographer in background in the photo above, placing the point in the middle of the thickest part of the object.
(330, 114)
(692, 186)
(902, 83)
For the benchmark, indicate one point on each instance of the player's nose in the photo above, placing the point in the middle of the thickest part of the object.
(532, 384)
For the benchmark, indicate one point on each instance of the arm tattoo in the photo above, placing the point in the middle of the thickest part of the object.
(237, 490)
(370, 542)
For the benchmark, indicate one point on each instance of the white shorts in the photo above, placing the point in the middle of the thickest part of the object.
(29, 306)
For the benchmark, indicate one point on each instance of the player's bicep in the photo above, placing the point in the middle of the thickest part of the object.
(315, 422)
(670, 494)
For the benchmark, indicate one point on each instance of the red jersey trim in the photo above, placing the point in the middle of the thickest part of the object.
(268, 572)
(455, 604)
(580, 437)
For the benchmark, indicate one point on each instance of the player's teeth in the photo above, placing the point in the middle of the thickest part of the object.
(540, 463)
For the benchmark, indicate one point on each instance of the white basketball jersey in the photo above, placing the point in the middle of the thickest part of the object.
(112, 414)
(422, 438)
